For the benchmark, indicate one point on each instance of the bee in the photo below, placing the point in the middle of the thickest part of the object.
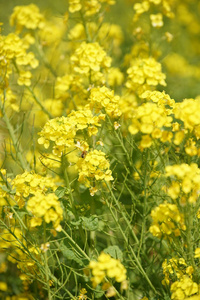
(83, 154)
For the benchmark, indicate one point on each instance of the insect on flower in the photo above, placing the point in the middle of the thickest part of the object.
(83, 154)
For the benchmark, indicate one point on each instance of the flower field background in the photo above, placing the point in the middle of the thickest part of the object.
(99, 150)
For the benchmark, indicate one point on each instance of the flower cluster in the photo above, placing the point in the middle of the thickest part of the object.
(102, 97)
(45, 207)
(29, 183)
(28, 16)
(167, 221)
(62, 131)
(89, 7)
(185, 182)
(174, 269)
(90, 59)
(107, 266)
(151, 120)
(145, 74)
(165, 8)
(14, 49)
(94, 166)
(187, 112)
(184, 288)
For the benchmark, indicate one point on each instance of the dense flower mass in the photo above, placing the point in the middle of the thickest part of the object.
(175, 268)
(104, 98)
(167, 220)
(90, 57)
(185, 181)
(62, 131)
(47, 207)
(89, 7)
(183, 288)
(100, 150)
(107, 266)
(29, 183)
(94, 167)
(13, 49)
(145, 74)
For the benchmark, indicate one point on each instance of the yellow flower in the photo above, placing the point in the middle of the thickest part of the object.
(156, 20)
(45, 207)
(102, 97)
(90, 57)
(145, 74)
(94, 166)
(28, 16)
(167, 220)
(107, 266)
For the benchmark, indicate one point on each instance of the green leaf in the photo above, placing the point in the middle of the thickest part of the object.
(98, 292)
(90, 223)
(69, 254)
(61, 191)
(114, 251)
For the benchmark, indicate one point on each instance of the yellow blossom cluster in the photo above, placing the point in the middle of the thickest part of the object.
(90, 59)
(27, 16)
(45, 207)
(187, 112)
(94, 166)
(62, 131)
(29, 183)
(174, 269)
(161, 7)
(106, 266)
(102, 97)
(185, 182)
(167, 221)
(152, 120)
(14, 49)
(184, 288)
(158, 97)
(88, 7)
(144, 74)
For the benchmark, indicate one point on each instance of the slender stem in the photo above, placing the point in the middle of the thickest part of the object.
(129, 160)
(88, 39)
(146, 177)
(137, 262)
(16, 145)
(39, 103)
(75, 245)
(123, 214)
(189, 224)
(46, 264)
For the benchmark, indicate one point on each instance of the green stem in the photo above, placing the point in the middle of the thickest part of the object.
(88, 39)
(75, 245)
(190, 242)
(46, 265)
(129, 160)
(123, 214)
(39, 103)
(16, 145)
(146, 177)
(137, 262)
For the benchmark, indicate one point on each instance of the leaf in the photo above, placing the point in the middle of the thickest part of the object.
(61, 191)
(69, 254)
(90, 223)
(114, 251)
(98, 292)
